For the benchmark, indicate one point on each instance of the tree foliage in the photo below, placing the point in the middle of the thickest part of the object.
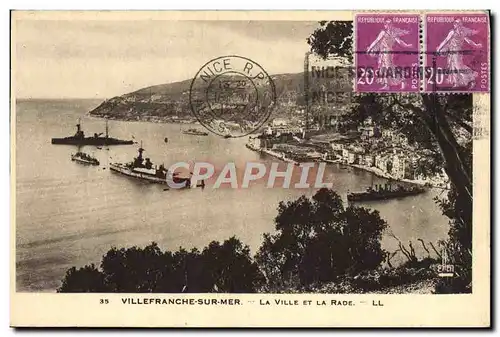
(318, 240)
(226, 267)
(332, 38)
(87, 279)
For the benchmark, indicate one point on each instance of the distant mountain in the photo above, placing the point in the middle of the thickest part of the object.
(170, 102)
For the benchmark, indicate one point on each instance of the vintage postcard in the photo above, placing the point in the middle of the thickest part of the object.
(250, 169)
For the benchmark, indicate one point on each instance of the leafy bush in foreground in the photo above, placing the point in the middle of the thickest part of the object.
(225, 267)
(318, 240)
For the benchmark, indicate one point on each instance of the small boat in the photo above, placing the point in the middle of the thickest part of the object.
(83, 158)
(194, 132)
(227, 136)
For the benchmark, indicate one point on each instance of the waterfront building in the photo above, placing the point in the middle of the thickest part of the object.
(368, 160)
(361, 159)
(400, 139)
(398, 166)
(381, 162)
(357, 148)
(351, 157)
(279, 122)
(411, 167)
(338, 147)
(345, 154)
(255, 142)
(410, 170)
(367, 132)
(387, 134)
(315, 155)
(287, 129)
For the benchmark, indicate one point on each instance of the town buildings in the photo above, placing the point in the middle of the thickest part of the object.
(384, 150)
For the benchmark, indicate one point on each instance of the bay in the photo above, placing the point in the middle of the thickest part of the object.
(70, 215)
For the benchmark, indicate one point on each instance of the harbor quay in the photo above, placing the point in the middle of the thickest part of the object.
(383, 151)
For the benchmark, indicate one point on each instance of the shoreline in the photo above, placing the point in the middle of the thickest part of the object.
(373, 170)
(148, 119)
(381, 174)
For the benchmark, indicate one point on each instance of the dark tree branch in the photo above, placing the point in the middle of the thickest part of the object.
(455, 164)
(423, 245)
(458, 121)
(416, 110)
(436, 251)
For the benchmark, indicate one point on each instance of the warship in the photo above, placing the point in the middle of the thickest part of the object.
(79, 139)
(143, 169)
(381, 192)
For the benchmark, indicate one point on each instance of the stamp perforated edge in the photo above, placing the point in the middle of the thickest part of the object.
(423, 50)
(355, 53)
(462, 12)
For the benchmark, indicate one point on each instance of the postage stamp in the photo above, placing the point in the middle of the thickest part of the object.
(232, 96)
(457, 53)
(387, 52)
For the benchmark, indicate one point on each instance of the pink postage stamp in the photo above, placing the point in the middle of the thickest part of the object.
(387, 52)
(457, 53)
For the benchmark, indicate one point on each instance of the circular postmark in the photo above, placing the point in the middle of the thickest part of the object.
(232, 96)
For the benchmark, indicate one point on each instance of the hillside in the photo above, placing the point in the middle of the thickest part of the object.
(170, 102)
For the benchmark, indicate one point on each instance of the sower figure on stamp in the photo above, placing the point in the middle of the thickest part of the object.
(452, 47)
(383, 46)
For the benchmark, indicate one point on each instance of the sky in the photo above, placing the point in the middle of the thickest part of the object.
(103, 59)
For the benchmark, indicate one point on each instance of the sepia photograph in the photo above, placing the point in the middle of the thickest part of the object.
(215, 154)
